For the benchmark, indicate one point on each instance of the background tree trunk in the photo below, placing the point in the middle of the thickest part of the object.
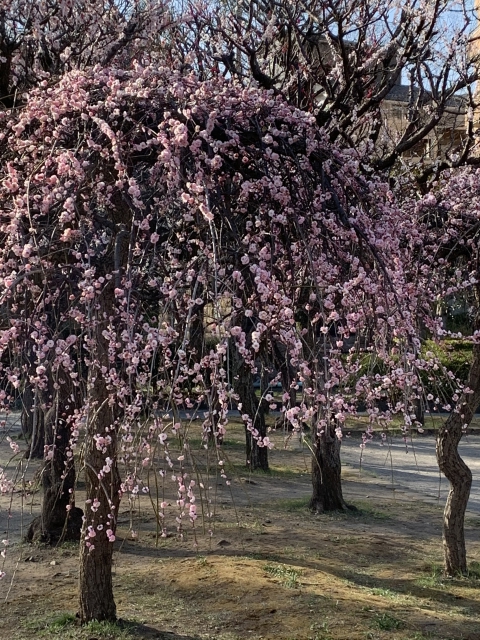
(59, 520)
(196, 342)
(288, 376)
(256, 457)
(457, 472)
(327, 471)
(32, 421)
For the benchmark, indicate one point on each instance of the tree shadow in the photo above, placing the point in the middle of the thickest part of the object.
(404, 587)
(146, 632)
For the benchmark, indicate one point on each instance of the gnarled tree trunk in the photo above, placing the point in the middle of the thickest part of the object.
(457, 472)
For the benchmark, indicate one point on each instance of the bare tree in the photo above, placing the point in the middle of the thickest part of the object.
(346, 61)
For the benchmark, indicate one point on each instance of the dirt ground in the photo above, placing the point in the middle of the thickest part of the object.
(268, 569)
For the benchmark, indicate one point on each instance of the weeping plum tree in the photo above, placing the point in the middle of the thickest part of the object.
(39, 42)
(353, 65)
(135, 194)
(147, 193)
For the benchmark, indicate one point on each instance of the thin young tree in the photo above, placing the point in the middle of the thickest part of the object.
(449, 253)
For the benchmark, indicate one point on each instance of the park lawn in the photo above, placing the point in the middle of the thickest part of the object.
(263, 567)
(280, 573)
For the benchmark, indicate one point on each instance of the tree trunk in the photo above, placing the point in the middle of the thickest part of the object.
(102, 487)
(95, 582)
(457, 472)
(256, 456)
(288, 375)
(196, 342)
(264, 389)
(419, 410)
(32, 421)
(255, 427)
(327, 471)
(59, 520)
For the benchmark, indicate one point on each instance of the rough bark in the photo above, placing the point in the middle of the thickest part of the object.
(59, 520)
(32, 421)
(256, 457)
(95, 580)
(288, 375)
(327, 492)
(196, 343)
(327, 471)
(457, 472)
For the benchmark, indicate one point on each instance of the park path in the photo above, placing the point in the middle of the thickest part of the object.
(411, 466)
(404, 470)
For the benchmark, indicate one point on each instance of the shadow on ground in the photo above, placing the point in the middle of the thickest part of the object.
(150, 633)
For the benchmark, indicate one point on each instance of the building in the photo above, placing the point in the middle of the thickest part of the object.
(403, 104)
(403, 112)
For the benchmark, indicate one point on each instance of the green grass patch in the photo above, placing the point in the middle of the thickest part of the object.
(321, 631)
(434, 577)
(474, 570)
(366, 509)
(66, 626)
(60, 622)
(285, 472)
(288, 576)
(291, 505)
(358, 510)
(110, 630)
(341, 540)
(385, 593)
(387, 622)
